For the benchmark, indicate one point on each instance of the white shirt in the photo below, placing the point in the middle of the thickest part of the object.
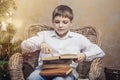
(72, 43)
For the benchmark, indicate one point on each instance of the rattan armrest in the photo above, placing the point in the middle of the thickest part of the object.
(95, 69)
(16, 74)
(15, 67)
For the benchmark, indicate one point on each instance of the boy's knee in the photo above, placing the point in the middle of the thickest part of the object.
(35, 76)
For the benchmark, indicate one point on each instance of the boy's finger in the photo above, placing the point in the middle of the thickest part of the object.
(51, 52)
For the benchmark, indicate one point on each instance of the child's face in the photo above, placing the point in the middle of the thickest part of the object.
(61, 25)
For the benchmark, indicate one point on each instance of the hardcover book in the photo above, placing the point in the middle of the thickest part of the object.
(56, 71)
(57, 65)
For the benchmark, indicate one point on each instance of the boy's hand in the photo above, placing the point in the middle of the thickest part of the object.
(45, 48)
(81, 57)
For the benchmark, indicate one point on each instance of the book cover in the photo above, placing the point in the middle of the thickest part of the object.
(52, 66)
(56, 72)
(57, 65)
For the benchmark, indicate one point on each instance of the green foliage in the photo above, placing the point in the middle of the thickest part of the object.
(6, 47)
(4, 74)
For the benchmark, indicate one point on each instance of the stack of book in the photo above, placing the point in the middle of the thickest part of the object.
(57, 65)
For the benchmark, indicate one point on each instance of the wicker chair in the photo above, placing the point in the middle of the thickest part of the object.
(21, 65)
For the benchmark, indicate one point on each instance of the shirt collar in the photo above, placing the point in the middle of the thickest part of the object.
(68, 35)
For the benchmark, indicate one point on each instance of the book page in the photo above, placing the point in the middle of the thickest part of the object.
(68, 56)
(50, 58)
(64, 56)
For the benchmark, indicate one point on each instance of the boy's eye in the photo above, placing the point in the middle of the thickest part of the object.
(65, 22)
(56, 21)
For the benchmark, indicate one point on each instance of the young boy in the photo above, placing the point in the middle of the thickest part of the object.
(61, 41)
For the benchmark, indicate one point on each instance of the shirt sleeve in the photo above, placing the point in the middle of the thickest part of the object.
(91, 50)
(32, 44)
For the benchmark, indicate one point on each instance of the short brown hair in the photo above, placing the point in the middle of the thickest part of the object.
(64, 11)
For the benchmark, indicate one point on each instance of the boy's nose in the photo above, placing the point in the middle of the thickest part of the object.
(61, 24)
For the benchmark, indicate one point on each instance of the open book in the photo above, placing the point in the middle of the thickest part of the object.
(66, 58)
(61, 57)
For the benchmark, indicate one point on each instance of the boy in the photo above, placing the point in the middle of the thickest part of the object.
(61, 41)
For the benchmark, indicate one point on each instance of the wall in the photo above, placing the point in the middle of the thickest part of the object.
(103, 14)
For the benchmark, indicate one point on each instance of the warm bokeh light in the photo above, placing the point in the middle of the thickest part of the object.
(17, 23)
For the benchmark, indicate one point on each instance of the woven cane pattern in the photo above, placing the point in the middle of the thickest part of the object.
(95, 69)
(15, 67)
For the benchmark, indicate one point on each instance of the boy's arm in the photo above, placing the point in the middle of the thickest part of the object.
(91, 50)
(32, 44)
